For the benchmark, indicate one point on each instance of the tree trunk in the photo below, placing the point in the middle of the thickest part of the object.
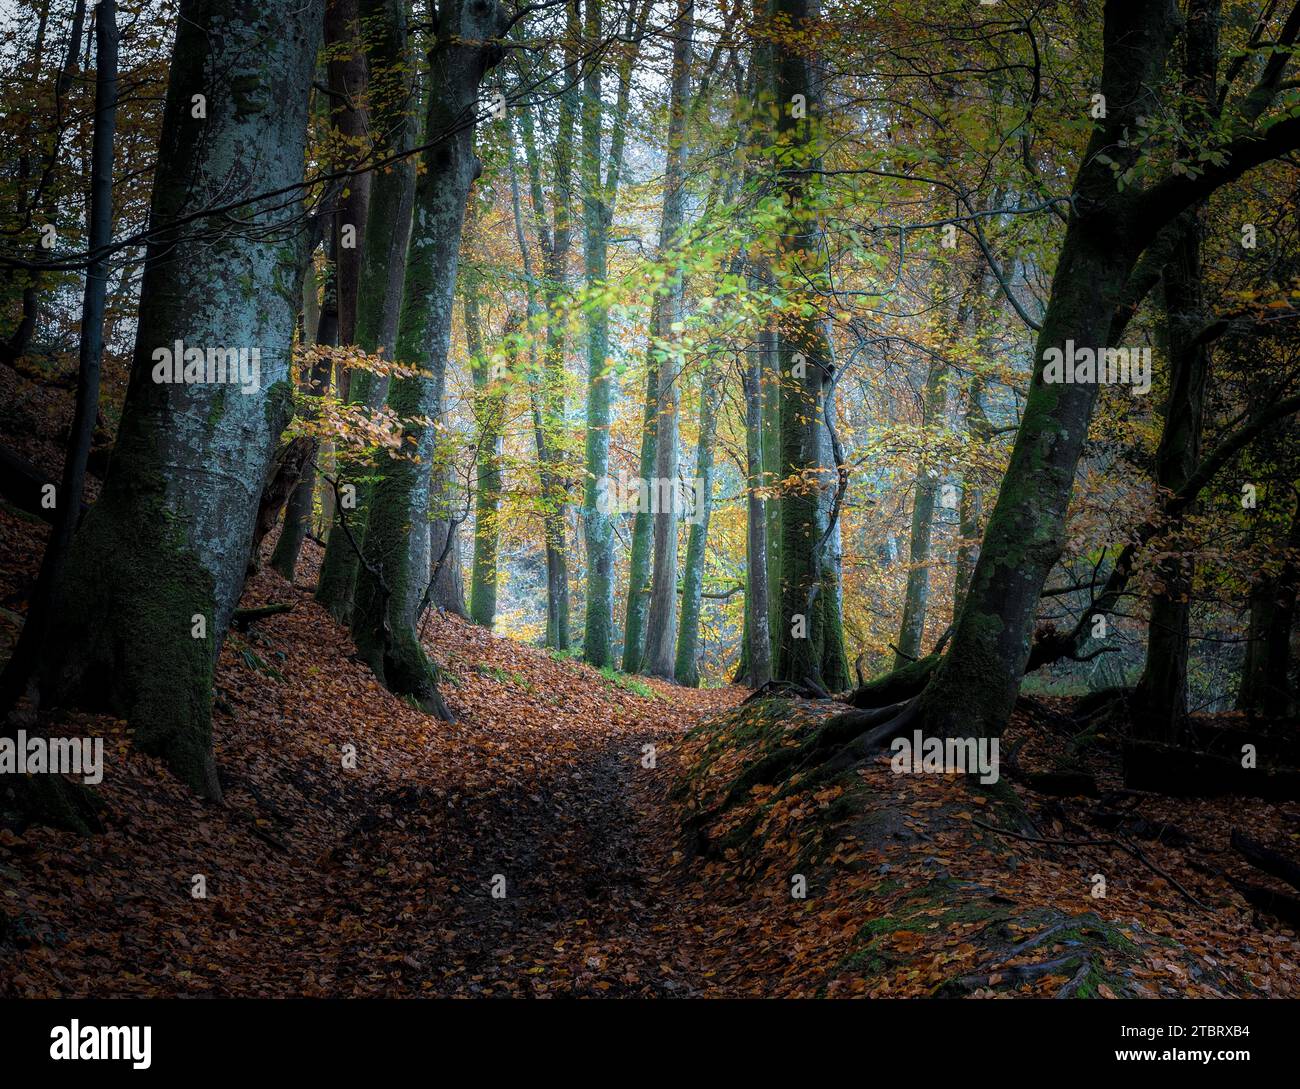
(974, 687)
(971, 507)
(1266, 686)
(804, 354)
(687, 667)
(830, 599)
(1160, 700)
(598, 213)
(926, 487)
(395, 575)
(549, 408)
(20, 340)
(383, 246)
(347, 85)
(638, 575)
(770, 354)
(154, 574)
(22, 664)
(490, 392)
(661, 620)
(301, 505)
(758, 635)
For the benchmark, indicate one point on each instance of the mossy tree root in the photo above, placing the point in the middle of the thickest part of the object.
(898, 685)
(837, 745)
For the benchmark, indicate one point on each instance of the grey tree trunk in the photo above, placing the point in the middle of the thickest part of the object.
(155, 571)
(971, 508)
(925, 490)
(598, 201)
(394, 578)
(661, 622)
(638, 578)
(830, 601)
(687, 670)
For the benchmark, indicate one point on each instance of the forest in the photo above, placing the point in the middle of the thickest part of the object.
(649, 499)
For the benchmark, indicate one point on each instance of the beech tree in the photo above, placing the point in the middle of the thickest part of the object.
(155, 570)
(393, 583)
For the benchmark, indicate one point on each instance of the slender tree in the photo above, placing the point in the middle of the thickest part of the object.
(383, 247)
(701, 507)
(394, 579)
(661, 615)
(599, 197)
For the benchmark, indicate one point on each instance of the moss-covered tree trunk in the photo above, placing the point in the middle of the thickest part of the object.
(805, 365)
(1160, 700)
(769, 343)
(155, 571)
(393, 580)
(383, 247)
(638, 574)
(346, 73)
(1267, 686)
(490, 395)
(974, 687)
(688, 635)
(757, 634)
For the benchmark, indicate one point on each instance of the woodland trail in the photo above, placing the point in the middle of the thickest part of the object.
(380, 878)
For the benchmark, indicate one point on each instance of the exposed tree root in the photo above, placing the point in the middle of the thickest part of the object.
(897, 686)
(839, 744)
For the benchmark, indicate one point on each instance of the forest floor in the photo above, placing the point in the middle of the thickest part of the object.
(379, 879)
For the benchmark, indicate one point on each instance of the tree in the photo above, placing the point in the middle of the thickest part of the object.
(155, 570)
(806, 366)
(599, 197)
(490, 397)
(383, 247)
(666, 323)
(687, 667)
(975, 685)
(394, 580)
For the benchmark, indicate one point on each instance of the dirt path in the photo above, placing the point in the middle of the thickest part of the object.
(523, 851)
